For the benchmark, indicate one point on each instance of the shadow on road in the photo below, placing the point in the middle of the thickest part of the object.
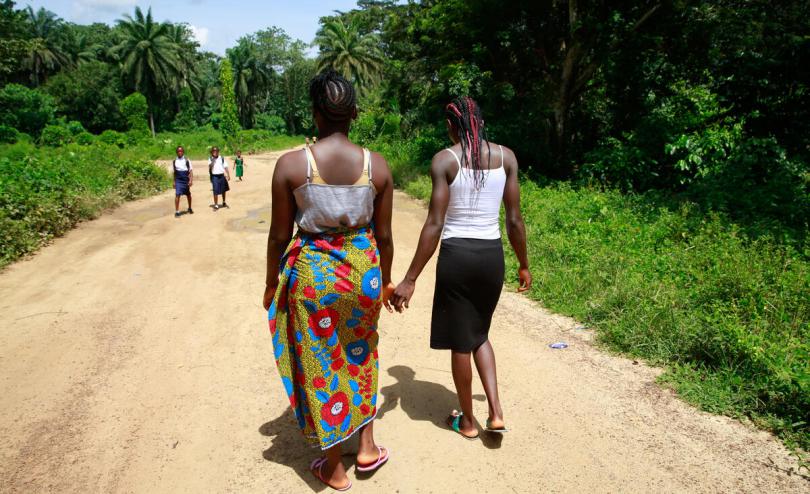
(423, 400)
(289, 448)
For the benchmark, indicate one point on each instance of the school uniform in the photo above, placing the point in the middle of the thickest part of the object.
(182, 174)
(218, 167)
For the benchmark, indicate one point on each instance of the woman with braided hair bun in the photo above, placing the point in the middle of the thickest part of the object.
(326, 286)
(471, 179)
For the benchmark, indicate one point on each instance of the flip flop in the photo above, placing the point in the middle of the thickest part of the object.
(317, 466)
(370, 467)
(499, 430)
(453, 421)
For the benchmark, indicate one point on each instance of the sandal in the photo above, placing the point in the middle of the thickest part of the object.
(370, 467)
(496, 430)
(317, 466)
(453, 420)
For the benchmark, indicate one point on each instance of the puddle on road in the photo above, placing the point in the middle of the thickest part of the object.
(257, 220)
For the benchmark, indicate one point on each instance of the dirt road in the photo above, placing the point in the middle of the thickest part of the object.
(135, 357)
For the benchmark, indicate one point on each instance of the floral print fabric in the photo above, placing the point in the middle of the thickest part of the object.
(323, 321)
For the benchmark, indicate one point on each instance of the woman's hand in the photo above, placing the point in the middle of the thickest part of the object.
(402, 294)
(387, 292)
(269, 294)
(525, 278)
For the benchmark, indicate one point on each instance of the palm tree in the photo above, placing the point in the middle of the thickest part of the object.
(251, 75)
(187, 57)
(149, 57)
(79, 48)
(44, 53)
(350, 53)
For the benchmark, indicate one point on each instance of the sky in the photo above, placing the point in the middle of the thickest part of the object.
(216, 24)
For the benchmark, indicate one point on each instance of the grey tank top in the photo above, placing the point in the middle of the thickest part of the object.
(323, 207)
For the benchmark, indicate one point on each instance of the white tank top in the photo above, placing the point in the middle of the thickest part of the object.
(474, 213)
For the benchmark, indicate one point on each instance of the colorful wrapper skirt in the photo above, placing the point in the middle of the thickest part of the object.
(323, 321)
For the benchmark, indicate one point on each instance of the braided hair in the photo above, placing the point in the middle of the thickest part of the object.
(464, 115)
(333, 96)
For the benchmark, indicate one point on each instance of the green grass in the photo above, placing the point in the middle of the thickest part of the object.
(45, 191)
(198, 143)
(726, 315)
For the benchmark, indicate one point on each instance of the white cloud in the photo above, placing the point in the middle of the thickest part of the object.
(108, 5)
(200, 34)
(101, 10)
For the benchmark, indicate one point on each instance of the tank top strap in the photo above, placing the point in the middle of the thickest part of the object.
(313, 176)
(501, 148)
(365, 175)
(458, 160)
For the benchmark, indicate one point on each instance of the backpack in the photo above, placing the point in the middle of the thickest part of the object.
(174, 166)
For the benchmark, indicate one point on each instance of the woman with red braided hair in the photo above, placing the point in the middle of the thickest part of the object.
(470, 181)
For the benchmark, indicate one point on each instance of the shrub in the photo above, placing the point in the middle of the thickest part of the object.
(365, 129)
(727, 314)
(89, 93)
(75, 128)
(8, 134)
(45, 191)
(27, 110)
(113, 138)
(274, 124)
(55, 135)
(85, 138)
(135, 110)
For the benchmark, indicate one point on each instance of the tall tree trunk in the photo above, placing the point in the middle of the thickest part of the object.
(576, 72)
(152, 122)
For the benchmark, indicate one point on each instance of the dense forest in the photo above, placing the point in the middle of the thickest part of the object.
(709, 99)
(81, 73)
(665, 144)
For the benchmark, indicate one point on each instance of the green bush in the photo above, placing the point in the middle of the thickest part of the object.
(75, 128)
(113, 138)
(55, 135)
(8, 134)
(85, 139)
(187, 119)
(728, 316)
(90, 93)
(365, 129)
(45, 191)
(135, 111)
(27, 110)
(273, 124)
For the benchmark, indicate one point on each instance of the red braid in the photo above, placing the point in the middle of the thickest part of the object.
(465, 116)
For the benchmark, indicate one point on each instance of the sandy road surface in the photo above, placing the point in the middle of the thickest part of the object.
(135, 357)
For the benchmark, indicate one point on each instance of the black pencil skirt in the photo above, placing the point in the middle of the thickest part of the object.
(469, 279)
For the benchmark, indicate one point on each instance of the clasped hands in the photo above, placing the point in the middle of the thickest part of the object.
(397, 297)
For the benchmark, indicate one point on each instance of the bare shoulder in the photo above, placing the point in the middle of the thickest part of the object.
(378, 163)
(290, 166)
(443, 163)
(290, 158)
